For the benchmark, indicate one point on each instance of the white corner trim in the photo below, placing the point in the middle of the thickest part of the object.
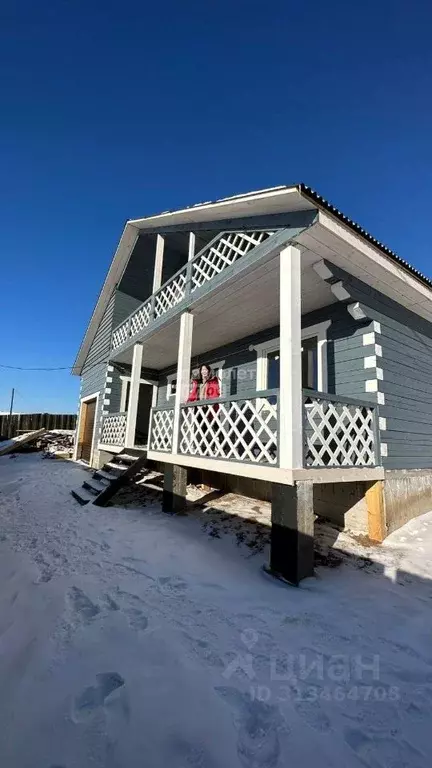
(382, 421)
(322, 270)
(339, 291)
(109, 379)
(380, 374)
(368, 338)
(380, 398)
(384, 449)
(378, 350)
(377, 326)
(370, 361)
(371, 385)
(110, 368)
(107, 390)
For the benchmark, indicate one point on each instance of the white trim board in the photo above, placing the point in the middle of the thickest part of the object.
(124, 379)
(110, 448)
(264, 348)
(271, 474)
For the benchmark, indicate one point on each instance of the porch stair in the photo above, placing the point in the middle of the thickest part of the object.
(117, 472)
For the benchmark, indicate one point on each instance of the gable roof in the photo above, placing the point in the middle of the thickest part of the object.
(281, 199)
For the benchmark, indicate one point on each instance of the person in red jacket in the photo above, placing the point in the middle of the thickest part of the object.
(205, 387)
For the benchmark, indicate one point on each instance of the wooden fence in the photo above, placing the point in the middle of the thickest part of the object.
(26, 422)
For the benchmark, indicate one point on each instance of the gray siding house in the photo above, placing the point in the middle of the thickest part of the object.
(321, 338)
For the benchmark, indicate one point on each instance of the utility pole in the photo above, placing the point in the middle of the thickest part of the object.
(11, 412)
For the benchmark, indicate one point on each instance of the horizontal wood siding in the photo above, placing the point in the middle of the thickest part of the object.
(406, 363)
(346, 373)
(95, 369)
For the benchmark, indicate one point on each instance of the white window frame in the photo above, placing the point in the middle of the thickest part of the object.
(123, 394)
(169, 393)
(265, 348)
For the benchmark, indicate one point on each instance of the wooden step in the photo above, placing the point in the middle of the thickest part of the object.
(94, 486)
(105, 482)
(83, 496)
(104, 477)
(118, 467)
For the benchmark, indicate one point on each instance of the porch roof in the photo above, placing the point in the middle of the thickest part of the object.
(281, 199)
(236, 309)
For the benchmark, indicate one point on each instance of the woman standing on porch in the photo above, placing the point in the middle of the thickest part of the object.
(205, 387)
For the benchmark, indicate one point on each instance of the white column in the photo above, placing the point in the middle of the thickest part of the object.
(133, 396)
(157, 274)
(290, 392)
(191, 251)
(183, 372)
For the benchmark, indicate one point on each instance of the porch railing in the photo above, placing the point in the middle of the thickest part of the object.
(225, 249)
(161, 429)
(339, 431)
(241, 428)
(114, 429)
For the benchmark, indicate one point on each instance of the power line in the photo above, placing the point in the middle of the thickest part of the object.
(19, 368)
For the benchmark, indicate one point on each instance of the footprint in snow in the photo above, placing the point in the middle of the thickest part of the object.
(94, 697)
(259, 725)
(383, 751)
(81, 604)
(184, 753)
(131, 605)
(171, 586)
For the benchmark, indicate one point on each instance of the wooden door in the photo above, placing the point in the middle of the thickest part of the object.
(86, 428)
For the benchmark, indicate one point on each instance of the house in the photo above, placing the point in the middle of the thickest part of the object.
(321, 338)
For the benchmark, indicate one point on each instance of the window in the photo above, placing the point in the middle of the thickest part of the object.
(314, 360)
(310, 363)
(172, 385)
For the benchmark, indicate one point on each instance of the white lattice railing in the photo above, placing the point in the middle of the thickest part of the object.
(120, 334)
(161, 429)
(140, 318)
(221, 253)
(172, 293)
(339, 432)
(240, 428)
(114, 429)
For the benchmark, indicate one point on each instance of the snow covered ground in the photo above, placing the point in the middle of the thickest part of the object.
(129, 638)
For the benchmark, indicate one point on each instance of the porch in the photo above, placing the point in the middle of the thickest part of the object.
(241, 435)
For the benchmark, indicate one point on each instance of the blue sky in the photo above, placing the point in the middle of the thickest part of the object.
(114, 110)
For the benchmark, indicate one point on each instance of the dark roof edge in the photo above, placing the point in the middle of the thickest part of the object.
(314, 197)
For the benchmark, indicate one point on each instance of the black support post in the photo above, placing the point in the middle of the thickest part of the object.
(174, 490)
(292, 532)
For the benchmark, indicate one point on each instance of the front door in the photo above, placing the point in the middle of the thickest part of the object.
(143, 415)
(86, 429)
